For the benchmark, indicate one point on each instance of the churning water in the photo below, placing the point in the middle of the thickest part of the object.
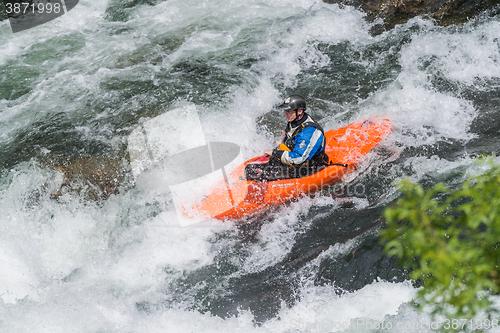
(79, 85)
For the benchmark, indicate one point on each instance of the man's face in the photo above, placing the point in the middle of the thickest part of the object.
(292, 115)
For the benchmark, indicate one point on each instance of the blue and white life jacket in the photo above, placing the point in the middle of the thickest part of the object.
(306, 141)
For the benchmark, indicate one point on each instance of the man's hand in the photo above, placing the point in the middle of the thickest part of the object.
(268, 152)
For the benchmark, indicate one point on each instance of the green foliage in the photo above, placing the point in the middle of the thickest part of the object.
(450, 239)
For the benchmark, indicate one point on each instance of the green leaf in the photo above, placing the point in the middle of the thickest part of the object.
(451, 240)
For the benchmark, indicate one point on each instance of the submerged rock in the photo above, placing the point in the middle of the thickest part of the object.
(445, 12)
(90, 177)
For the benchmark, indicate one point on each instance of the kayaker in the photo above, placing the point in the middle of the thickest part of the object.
(301, 152)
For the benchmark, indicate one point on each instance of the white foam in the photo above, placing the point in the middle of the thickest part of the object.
(415, 106)
(17, 280)
(322, 310)
(466, 57)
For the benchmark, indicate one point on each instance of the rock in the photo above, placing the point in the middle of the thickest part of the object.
(90, 177)
(445, 12)
(3, 13)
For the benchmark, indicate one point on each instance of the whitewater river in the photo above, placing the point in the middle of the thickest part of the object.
(79, 85)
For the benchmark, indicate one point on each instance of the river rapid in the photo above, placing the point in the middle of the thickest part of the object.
(79, 85)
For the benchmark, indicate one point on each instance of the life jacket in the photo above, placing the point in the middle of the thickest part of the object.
(320, 158)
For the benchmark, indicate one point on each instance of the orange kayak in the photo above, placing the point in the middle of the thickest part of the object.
(237, 197)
